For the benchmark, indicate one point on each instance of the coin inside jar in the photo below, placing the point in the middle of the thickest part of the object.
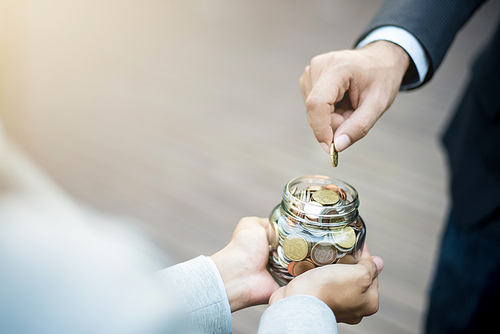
(345, 238)
(326, 197)
(274, 238)
(347, 259)
(295, 247)
(323, 253)
(298, 268)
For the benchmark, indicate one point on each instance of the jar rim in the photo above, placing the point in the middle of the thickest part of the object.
(329, 212)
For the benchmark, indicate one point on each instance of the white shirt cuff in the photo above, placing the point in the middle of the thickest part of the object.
(223, 293)
(409, 43)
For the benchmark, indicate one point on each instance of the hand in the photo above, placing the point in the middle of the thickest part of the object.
(242, 264)
(351, 291)
(346, 92)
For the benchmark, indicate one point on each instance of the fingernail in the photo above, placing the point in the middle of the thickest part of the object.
(379, 263)
(342, 142)
(325, 147)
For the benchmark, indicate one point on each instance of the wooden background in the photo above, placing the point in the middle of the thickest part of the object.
(187, 116)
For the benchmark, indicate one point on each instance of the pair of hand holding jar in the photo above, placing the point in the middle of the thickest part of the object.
(350, 290)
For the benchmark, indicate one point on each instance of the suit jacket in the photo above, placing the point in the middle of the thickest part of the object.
(472, 139)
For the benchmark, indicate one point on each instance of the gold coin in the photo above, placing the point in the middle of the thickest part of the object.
(274, 236)
(345, 238)
(326, 197)
(334, 155)
(323, 253)
(295, 247)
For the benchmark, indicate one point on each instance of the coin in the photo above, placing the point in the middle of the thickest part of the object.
(347, 259)
(295, 247)
(302, 195)
(342, 194)
(274, 236)
(326, 197)
(313, 211)
(290, 267)
(345, 238)
(338, 190)
(334, 155)
(301, 267)
(282, 259)
(323, 253)
(314, 188)
(332, 186)
(325, 218)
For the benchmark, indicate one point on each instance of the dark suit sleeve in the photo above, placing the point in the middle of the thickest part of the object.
(433, 22)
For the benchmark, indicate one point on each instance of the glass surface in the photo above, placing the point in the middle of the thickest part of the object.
(317, 223)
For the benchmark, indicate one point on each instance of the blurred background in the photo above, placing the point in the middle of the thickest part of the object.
(186, 116)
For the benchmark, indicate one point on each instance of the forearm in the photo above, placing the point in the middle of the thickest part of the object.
(196, 284)
(298, 314)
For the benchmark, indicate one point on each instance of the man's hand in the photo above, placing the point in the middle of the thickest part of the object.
(345, 92)
(242, 264)
(351, 291)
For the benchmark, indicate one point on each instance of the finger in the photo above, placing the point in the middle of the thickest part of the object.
(305, 83)
(251, 223)
(256, 223)
(352, 320)
(373, 265)
(277, 295)
(337, 118)
(328, 90)
(371, 304)
(358, 124)
(366, 252)
(272, 235)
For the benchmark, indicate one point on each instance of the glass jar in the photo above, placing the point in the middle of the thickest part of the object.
(317, 223)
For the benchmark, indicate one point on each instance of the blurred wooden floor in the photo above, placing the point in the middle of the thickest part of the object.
(187, 116)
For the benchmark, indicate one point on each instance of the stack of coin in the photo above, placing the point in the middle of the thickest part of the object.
(315, 233)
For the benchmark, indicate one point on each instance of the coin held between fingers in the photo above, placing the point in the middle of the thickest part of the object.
(334, 155)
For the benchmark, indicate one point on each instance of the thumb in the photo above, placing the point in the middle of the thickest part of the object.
(357, 125)
(277, 295)
(374, 265)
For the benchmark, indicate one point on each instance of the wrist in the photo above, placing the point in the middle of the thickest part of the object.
(396, 57)
(233, 277)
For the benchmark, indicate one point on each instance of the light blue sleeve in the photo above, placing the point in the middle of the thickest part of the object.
(297, 315)
(200, 288)
(67, 269)
(62, 276)
(409, 43)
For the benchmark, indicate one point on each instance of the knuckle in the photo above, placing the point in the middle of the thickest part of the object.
(373, 307)
(365, 278)
(312, 102)
(362, 127)
(316, 61)
(353, 321)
